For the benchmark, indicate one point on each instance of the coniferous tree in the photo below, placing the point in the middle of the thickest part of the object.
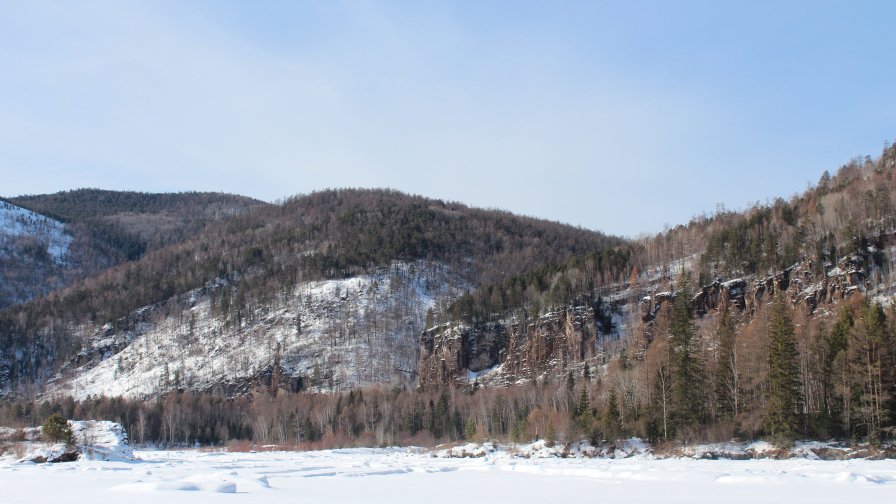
(890, 376)
(688, 399)
(583, 414)
(582, 406)
(570, 382)
(57, 429)
(785, 395)
(835, 376)
(612, 418)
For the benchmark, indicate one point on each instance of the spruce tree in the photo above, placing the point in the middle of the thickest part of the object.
(612, 418)
(785, 396)
(834, 371)
(582, 407)
(688, 399)
(583, 413)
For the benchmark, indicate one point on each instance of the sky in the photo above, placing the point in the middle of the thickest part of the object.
(624, 117)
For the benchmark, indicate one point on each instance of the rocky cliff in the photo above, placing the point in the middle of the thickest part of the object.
(501, 354)
(566, 339)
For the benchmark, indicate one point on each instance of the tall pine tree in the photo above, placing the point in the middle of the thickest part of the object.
(688, 398)
(785, 395)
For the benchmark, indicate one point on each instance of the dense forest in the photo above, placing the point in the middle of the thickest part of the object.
(784, 369)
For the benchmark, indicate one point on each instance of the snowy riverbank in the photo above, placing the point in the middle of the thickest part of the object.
(634, 447)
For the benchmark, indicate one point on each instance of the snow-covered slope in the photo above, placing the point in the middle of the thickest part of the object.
(35, 254)
(324, 335)
(17, 222)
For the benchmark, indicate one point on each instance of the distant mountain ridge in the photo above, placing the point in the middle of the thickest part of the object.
(34, 252)
(102, 229)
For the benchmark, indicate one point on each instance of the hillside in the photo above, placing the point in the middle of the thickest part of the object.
(35, 251)
(50, 241)
(682, 337)
(331, 290)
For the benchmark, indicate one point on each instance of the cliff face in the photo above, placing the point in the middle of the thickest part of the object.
(805, 290)
(497, 354)
(456, 354)
(550, 343)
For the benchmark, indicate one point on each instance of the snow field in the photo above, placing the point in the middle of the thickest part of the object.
(414, 476)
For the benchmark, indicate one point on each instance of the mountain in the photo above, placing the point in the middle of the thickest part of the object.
(324, 291)
(50, 241)
(34, 252)
(365, 317)
(133, 223)
(683, 333)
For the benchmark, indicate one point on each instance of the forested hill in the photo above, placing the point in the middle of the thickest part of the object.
(351, 230)
(50, 241)
(777, 321)
(245, 265)
(848, 212)
(131, 223)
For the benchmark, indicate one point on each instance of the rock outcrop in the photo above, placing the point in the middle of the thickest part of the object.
(91, 440)
(456, 353)
(551, 343)
(499, 354)
(504, 353)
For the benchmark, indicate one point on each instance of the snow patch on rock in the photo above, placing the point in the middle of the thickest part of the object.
(91, 440)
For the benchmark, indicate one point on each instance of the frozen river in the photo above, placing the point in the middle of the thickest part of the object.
(409, 476)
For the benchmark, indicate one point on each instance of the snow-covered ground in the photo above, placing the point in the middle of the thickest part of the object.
(414, 476)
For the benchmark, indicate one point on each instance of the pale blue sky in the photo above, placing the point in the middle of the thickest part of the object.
(618, 116)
